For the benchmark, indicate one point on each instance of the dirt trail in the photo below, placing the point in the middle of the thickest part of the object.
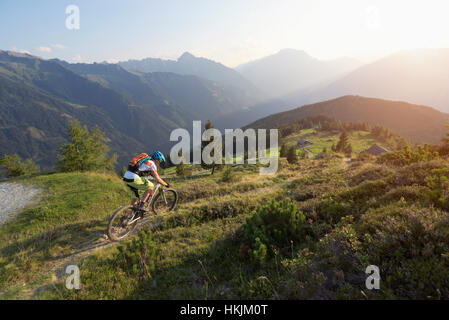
(13, 197)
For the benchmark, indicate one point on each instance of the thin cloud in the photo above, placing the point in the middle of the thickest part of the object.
(44, 49)
(58, 46)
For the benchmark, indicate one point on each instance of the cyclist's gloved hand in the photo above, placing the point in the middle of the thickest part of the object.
(168, 185)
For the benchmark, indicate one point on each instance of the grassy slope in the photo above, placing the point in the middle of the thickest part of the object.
(71, 216)
(74, 212)
(195, 251)
(360, 140)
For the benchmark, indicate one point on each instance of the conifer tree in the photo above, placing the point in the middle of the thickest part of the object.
(291, 156)
(86, 150)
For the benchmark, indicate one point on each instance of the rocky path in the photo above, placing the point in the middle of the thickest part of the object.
(13, 197)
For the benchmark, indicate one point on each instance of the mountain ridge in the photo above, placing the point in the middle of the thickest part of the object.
(289, 70)
(420, 124)
(417, 76)
(188, 64)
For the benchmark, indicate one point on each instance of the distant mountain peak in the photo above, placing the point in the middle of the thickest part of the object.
(291, 70)
(19, 54)
(186, 56)
(290, 51)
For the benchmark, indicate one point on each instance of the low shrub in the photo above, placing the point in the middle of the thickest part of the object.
(334, 270)
(228, 175)
(415, 193)
(137, 257)
(417, 173)
(438, 182)
(408, 155)
(410, 245)
(276, 224)
(370, 174)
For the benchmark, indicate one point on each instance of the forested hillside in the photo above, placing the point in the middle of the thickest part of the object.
(419, 124)
(307, 232)
(136, 111)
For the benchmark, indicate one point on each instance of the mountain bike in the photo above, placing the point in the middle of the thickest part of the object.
(126, 218)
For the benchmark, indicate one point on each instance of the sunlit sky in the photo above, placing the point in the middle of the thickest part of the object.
(228, 31)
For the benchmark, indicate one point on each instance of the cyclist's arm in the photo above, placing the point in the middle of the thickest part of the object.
(158, 179)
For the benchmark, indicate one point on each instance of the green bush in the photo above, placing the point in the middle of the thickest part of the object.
(228, 175)
(370, 174)
(438, 183)
(284, 151)
(137, 257)
(354, 201)
(408, 155)
(276, 224)
(417, 173)
(415, 193)
(334, 270)
(183, 170)
(410, 245)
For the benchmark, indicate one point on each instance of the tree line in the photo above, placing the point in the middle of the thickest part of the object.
(86, 151)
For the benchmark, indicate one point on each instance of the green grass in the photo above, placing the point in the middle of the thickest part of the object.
(355, 214)
(360, 140)
(73, 211)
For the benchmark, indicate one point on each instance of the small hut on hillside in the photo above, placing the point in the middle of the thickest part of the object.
(302, 144)
(375, 150)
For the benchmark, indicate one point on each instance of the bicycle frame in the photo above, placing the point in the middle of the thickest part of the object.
(157, 188)
(134, 213)
(154, 191)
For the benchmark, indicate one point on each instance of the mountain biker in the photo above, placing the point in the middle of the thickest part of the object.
(134, 180)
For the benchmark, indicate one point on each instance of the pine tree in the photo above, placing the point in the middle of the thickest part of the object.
(284, 151)
(181, 169)
(86, 150)
(333, 147)
(213, 166)
(343, 144)
(228, 174)
(348, 149)
(291, 156)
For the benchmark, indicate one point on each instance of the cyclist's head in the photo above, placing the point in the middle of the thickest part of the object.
(157, 155)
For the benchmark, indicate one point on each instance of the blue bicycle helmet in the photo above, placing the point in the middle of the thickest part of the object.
(157, 155)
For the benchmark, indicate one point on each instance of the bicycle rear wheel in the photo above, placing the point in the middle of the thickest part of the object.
(119, 226)
(165, 201)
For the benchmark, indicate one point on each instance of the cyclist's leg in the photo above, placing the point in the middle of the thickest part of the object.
(134, 192)
(145, 185)
(149, 190)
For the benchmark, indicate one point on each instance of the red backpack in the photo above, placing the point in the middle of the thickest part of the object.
(137, 161)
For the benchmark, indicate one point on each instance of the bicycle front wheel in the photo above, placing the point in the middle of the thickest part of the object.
(120, 225)
(165, 201)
